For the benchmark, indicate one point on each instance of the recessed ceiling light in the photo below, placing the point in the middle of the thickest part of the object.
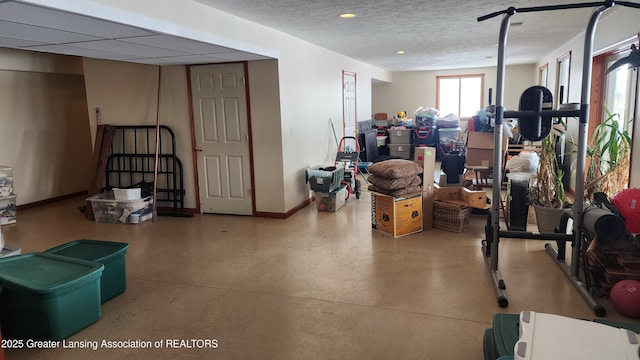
(347, 15)
(400, 52)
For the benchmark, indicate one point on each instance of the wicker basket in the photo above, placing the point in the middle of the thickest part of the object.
(451, 217)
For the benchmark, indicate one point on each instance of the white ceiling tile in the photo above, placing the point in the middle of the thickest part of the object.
(237, 56)
(178, 44)
(124, 47)
(72, 50)
(53, 19)
(184, 60)
(40, 34)
(17, 43)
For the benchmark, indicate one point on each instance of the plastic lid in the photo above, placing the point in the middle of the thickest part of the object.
(520, 176)
(47, 273)
(92, 250)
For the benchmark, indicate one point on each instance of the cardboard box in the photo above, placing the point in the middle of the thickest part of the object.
(396, 216)
(462, 196)
(426, 157)
(480, 148)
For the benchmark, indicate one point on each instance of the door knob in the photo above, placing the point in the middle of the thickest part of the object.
(199, 148)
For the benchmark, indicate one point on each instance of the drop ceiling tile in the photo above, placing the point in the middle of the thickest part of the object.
(183, 60)
(54, 19)
(40, 34)
(178, 44)
(238, 56)
(72, 50)
(123, 47)
(17, 43)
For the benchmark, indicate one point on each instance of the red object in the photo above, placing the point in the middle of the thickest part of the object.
(628, 202)
(625, 296)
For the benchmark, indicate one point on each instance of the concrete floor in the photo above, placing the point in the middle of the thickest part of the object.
(315, 286)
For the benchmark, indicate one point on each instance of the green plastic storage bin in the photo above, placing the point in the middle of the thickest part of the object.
(108, 253)
(48, 297)
(506, 332)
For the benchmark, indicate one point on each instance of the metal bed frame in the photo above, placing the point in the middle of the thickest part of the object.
(493, 232)
(131, 163)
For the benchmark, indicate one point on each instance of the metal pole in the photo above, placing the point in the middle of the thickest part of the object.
(578, 205)
(498, 283)
(157, 150)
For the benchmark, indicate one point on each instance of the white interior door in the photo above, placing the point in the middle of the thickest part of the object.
(222, 138)
(349, 103)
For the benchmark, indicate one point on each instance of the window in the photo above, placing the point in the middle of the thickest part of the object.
(461, 95)
(562, 79)
(617, 92)
(542, 75)
(620, 89)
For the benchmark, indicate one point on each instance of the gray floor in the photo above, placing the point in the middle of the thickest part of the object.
(315, 286)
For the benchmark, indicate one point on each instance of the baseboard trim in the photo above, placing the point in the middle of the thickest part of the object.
(275, 215)
(168, 209)
(165, 209)
(51, 200)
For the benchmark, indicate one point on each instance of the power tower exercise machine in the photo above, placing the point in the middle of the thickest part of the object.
(543, 122)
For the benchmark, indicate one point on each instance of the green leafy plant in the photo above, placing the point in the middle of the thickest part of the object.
(609, 156)
(548, 190)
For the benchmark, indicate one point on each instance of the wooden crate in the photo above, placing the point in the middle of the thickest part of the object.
(462, 196)
(451, 217)
(608, 266)
(396, 216)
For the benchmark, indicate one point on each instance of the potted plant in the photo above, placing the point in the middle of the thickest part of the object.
(608, 153)
(548, 195)
(609, 157)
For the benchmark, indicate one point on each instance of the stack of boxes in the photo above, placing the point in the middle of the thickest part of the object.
(7, 197)
(400, 143)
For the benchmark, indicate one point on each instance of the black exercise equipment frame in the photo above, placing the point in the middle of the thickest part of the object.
(493, 232)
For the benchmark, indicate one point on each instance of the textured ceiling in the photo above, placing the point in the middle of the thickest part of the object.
(434, 34)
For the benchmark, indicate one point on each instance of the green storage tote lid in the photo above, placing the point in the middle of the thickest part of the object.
(47, 273)
(91, 250)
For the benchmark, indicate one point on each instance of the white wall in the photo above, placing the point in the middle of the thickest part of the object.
(266, 134)
(411, 89)
(616, 25)
(44, 132)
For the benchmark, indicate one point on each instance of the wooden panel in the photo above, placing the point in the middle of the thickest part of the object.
(462, 196)
(104, 138)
